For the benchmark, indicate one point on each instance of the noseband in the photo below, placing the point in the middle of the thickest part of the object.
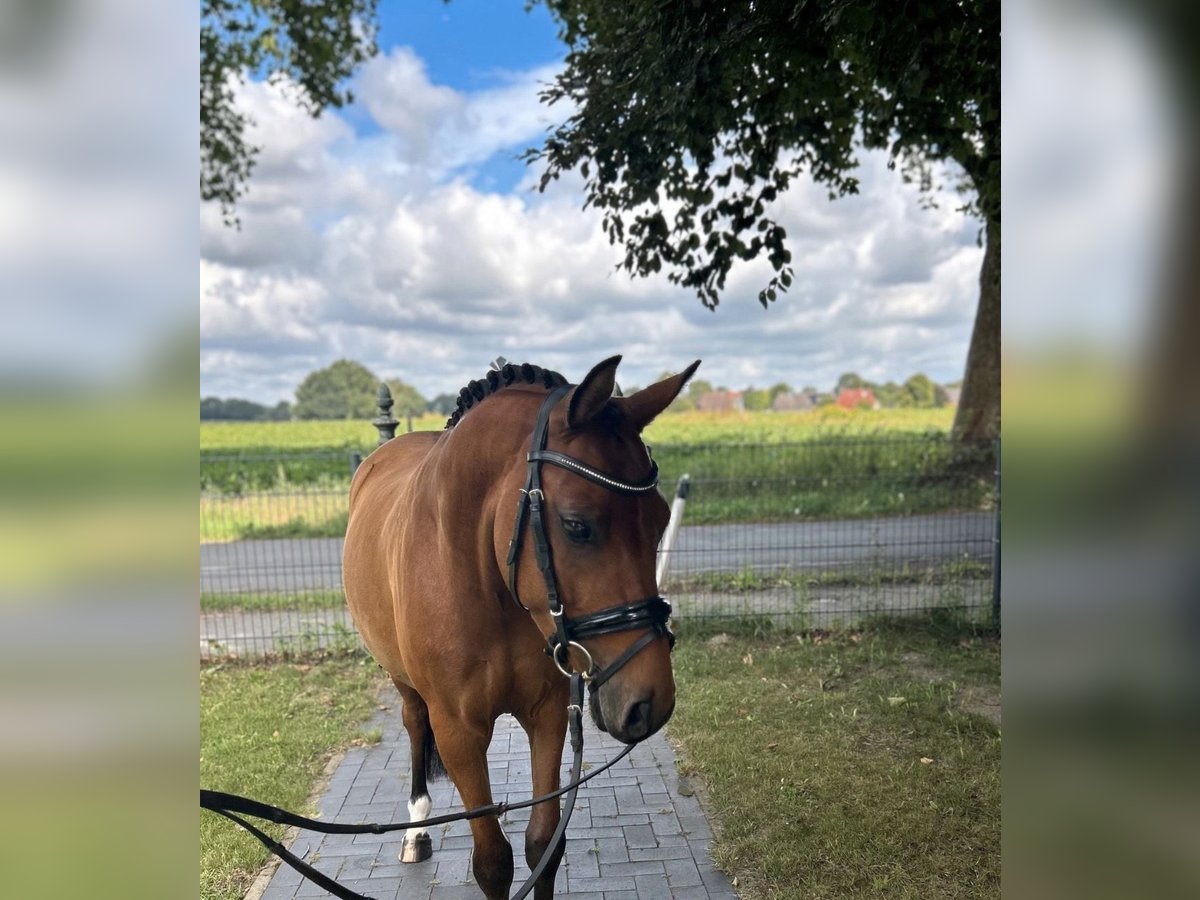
(653, 613)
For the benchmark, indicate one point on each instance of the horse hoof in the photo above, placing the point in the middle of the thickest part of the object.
(417, 850)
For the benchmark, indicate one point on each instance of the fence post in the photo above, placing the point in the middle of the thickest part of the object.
(385, 421)
(996, 548)
(664, 550)
(355, 461)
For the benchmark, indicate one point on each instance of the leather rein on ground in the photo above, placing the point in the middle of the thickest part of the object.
(233, 807)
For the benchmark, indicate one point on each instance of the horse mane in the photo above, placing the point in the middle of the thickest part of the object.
(508, 374)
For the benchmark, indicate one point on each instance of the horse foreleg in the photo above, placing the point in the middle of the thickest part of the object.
(417, 845)
(547, 730)
(464, 749)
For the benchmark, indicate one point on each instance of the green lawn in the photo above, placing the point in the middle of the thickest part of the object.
(267, 732)
(858, 764)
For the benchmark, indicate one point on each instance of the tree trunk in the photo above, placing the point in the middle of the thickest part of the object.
(978, 416)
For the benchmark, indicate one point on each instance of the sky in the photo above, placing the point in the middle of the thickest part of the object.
(404, 233)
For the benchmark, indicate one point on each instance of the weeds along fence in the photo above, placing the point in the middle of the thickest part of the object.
(816, 534)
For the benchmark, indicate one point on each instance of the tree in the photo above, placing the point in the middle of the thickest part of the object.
(343, 390)
(232, 409)
(408, 400)
(754, 399)
(443, 404)
(891, 394)
(691, 118)
(781, 387)
(922, 390)
(309, 46)
(211, 408)
(850, 381)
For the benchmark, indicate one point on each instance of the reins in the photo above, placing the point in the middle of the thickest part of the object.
(651, 613)
(234, 806)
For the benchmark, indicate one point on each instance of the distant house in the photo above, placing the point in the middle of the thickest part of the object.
(793, 401)
(853, 398)
(952, 395)
(721, 401)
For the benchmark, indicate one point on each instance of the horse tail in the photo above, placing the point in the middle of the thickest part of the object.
(434, 767)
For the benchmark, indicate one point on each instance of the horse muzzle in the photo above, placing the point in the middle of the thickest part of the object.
(631, 716)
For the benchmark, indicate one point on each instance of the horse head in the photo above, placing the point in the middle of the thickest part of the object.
(588, 575)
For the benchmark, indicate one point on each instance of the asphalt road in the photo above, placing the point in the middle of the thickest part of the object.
(859, 544)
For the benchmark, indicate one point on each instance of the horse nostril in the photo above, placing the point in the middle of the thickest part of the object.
(637, 722)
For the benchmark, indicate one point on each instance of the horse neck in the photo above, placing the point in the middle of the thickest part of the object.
(495, 434)
(484, 447)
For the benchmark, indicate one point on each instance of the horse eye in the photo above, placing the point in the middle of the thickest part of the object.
(577, 530)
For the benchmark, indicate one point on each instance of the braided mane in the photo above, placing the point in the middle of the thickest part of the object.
(494, 381)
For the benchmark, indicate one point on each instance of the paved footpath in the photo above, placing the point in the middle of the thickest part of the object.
(632, 835)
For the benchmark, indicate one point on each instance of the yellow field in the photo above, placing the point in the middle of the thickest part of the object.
(672, 428)
(302, 434)
(773, 427)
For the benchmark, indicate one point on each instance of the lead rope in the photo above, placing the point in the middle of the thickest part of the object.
(228, 805)
(575, 721)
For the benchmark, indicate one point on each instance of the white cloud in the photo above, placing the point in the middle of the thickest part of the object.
(380, 249)
(441, 129)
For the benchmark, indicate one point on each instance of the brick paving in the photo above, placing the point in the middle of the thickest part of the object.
(633, 836)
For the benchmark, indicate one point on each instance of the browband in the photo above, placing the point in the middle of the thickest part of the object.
(649, 483)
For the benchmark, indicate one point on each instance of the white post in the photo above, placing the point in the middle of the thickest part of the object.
(664, 549)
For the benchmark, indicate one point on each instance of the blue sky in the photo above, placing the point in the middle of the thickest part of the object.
(465, 42)
(470, 45)
(403, 233)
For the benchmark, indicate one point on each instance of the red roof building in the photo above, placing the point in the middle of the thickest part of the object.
(854, 398)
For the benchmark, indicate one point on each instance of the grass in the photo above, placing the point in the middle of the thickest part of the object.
(846, 764)
(283, 514)
(743, 581)
(750, 580)
(267, 732)
(675, 428)
(284, 600)
(299, 494)
(290, 512)
(302, 434)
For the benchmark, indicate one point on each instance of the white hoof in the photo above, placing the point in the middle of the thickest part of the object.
(417, 846)
(416, 850)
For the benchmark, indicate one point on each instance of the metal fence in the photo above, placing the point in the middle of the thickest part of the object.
(818, 534)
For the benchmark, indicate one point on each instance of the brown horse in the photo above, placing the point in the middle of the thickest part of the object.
(459, 608)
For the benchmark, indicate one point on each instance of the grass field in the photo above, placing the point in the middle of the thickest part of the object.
(673, 428)
(267, 732)
(859, 764)
(744, 467)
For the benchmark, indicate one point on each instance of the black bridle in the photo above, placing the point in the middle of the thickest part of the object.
(652, 613)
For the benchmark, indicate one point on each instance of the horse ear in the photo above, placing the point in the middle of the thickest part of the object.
(643, 406)
(593, 393)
